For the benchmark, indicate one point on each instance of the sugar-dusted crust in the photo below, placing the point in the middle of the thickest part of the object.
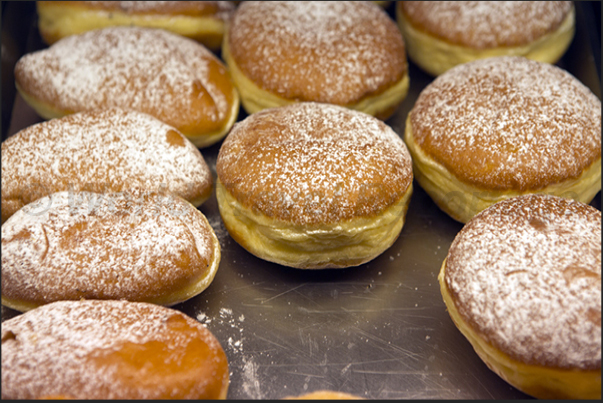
(486, 24)
(435, 54)
(101, 151)
(312, 163)
(138, 246)
(314, 185)
(153, 71)
(332, 52)
(203, 21)
(110, 350)
(324, 395)
(508, 123)
(526, 275)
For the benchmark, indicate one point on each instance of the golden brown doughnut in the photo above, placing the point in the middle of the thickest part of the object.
(324, 395)
(313, 185)
(501, 127)
(110, 350)
(101, 151)
(203, 21)
(522, 282)
(442, 34)
(345, 53)
(138, 246)
(170, 77)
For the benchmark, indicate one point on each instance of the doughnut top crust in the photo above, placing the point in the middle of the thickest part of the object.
(172, 78)
(323, 51)
(486, 24)
(110, 350)
(100, 151)
(312, 163)
(509, 123)
(220, 9)
(526, 275)
(139, 246)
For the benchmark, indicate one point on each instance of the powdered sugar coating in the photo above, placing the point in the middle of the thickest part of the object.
(312, 163)
(333, 52)
(140, 246)
(526, 275)
(173, 78)
(54, 350)
(509, 123)
(101, 151)
(487, 24)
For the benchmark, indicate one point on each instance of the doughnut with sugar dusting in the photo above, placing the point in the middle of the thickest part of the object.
(442, 34)
(172, 78)
(324, 395)
(137, 246)
(501, 127)
(101, 151)
(345, 53)
(94, 349)
(313, 186)
(522, 282)
(203, 21)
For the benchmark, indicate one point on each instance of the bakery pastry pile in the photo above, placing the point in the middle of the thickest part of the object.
(102, 230)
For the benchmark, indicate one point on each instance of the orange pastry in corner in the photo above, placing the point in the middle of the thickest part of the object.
(522, 282)
(120, 350)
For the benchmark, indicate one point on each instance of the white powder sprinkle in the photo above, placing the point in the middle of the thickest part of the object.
(102, 151)
(493, 23)
(509, 122)
(526, 274)
(311, 162)
(73, 245)
(61, 341)
(143, 69)
(325, 51)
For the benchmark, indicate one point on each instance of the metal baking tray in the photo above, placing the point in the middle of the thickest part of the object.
(378, 331)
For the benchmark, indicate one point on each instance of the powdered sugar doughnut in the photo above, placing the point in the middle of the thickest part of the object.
(345, 53)
(501, 127)
(324, 395)
(170, 77)
(443, 34)
(313, 185)
(110, 350)
(101, 151)
(203, 21)
(139, 246)
(522, 281)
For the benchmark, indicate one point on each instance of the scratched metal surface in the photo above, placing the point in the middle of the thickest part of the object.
(379, 331)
